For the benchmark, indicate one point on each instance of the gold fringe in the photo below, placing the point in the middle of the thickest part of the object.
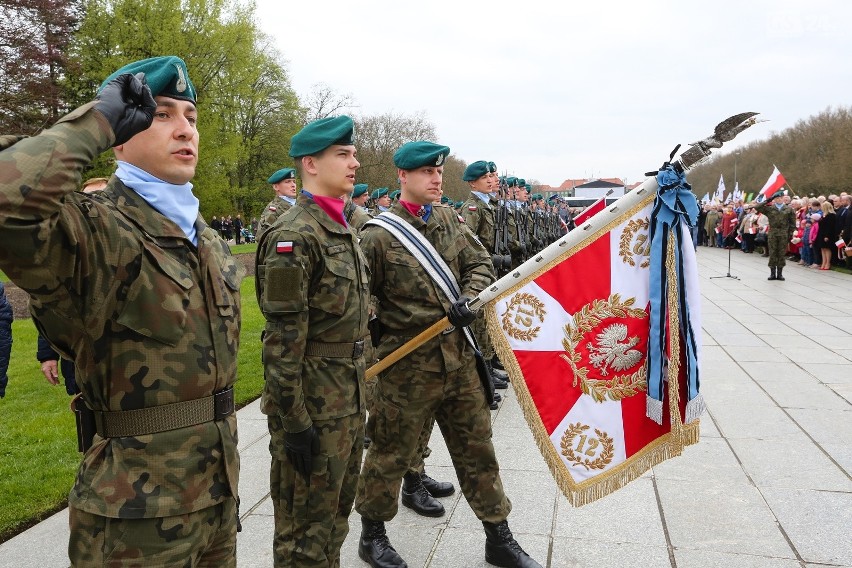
(661, 449)
(674, 345)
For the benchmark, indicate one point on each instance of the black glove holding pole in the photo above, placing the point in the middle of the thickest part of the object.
(459, 313)
(128, 105)
(301, 447)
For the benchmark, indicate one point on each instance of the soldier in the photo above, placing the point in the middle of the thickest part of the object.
(782, 223)
(478, 213)
(312, 287)
(284, 184)
(133, 286)
(354, 211)
(381, 200)
(439, 378)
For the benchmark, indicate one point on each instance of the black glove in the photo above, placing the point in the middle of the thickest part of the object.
(301, 447)
(459, 314)
(128, 105)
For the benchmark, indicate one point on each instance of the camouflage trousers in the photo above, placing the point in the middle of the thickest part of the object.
(312, 518)
(204, 538)
(777, 248)
(406, 399)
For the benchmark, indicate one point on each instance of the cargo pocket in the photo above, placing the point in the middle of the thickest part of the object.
(158, 298)
(332, 293)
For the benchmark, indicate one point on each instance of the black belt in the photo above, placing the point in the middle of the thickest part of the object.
(153, 419)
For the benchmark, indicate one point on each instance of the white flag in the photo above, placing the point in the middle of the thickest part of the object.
(720, 191)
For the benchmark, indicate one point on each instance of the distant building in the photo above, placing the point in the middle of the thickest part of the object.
(587, 187)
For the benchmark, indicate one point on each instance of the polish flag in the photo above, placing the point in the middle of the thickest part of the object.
(283, 247)
(590, 212)
(775, 182)
(576, 338)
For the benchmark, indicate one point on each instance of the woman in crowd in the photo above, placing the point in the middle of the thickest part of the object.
(827, 234)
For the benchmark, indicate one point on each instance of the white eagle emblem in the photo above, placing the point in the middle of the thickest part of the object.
(181, 84)
(440, 160)
(610, 352)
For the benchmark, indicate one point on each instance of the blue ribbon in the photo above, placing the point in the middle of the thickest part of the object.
(675, 203)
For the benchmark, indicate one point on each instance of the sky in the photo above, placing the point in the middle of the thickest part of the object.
(554, 90)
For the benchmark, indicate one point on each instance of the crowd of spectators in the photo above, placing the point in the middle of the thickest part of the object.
(234, 228)
(823, 229)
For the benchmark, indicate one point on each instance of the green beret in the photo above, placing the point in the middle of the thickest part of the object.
(379, 192)
(521, 182)
(528, 187)
(360, 189)
(282, 174)
(511, 181)
(445, 199)
(394, 194)
(537, 197)
(413, 155)
(318, 135)
(475, 171)
(458, 204)
(492, 167)
(166, 76)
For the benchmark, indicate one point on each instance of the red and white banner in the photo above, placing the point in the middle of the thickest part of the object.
(590, 211)
(574, 340)
(775, 182)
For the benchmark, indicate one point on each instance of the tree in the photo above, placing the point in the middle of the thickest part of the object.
(323, 102)
(377, 137)
(34, 36)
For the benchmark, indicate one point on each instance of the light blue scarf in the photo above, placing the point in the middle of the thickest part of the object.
(485, 197)
(176, 202)
(290, 200)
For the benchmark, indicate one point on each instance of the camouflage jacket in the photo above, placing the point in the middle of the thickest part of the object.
(149, 318)
(781, 221)
(356, 216)
(409, 302)
(479, 218)
(312, 286)
(273, 210)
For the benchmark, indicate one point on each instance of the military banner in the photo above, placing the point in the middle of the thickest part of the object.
(574, 337)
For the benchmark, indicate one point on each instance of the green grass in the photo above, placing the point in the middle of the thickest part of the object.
(38, 443)
(244, 248)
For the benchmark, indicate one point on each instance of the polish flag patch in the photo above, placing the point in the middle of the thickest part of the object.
(284, 247)
(471, 207)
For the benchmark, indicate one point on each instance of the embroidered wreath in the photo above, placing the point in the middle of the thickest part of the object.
(587, 319)
(526, 299)
(627, 238)
(600, 462)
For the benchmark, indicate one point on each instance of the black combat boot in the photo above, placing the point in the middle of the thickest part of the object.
(497, 364)
(780, 276)
(498, 372)
(375, 549)
(498, 382)
(416, 498)
(772, 276)
(501, 548)
(437, 488)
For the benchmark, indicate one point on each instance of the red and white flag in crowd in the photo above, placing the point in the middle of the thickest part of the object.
(590, 211)
(575, 337)
(719, 197)
(775, 182)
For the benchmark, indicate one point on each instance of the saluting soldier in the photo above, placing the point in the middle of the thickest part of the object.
(440, 377)
(782, 224)
(313, 291)
(133, 286)
(284, 184)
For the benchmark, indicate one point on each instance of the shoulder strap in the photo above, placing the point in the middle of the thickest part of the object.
(426, 255)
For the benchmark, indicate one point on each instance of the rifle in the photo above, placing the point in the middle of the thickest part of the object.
(501, 259)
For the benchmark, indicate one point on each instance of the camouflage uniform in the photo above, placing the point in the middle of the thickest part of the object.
(479, 218)
(315, 300)
(356, 216)
(149, 319)
(439, 378)
(782, 224)
(277, 207)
